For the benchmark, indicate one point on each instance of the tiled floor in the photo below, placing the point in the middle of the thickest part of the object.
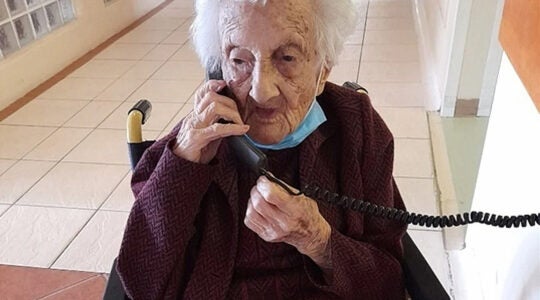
(64, 174)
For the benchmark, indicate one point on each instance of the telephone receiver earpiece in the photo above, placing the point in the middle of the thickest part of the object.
(246, 153)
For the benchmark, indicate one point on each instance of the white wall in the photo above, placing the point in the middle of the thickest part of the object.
(436, 20)
(456, 38)
(95, 22)
(508, 260)
(477, 45)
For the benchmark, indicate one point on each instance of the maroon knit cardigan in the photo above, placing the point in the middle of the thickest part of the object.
(351, 153)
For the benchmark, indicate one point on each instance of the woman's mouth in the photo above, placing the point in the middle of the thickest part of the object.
(265, 114)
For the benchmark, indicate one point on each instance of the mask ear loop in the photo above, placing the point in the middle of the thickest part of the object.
(323, 64)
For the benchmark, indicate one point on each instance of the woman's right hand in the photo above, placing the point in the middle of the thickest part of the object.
(200, 133)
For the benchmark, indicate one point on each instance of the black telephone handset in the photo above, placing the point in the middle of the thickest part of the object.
(245, 152)
(249, 155)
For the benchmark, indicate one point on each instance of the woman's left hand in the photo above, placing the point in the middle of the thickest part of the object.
(276, 216)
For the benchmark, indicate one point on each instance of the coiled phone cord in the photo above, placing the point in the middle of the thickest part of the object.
(365, 207)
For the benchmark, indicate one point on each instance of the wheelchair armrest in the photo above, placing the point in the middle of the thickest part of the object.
(137, 115)
(420, 281)
(114, 289)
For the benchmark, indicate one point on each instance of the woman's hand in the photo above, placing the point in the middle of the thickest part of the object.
(200, 133)
(276, 216)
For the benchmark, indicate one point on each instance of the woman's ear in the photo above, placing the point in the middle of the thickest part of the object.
(325, 72)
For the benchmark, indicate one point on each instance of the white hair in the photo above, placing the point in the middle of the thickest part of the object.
(334, 22)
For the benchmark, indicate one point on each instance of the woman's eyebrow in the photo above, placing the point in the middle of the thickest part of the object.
(293, 45)
(230, 47)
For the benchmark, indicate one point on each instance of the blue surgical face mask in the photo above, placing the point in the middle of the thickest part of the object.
(313, 118)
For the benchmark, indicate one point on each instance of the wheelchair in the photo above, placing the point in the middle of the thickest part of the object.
(421, 283)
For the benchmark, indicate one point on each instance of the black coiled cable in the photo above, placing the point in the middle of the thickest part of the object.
(365, 207)
(395, 214)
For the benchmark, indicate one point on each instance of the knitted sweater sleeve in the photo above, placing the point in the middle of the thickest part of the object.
(168, 190)
(366, 252)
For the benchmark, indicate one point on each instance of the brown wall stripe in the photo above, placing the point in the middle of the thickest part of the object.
(76, 64)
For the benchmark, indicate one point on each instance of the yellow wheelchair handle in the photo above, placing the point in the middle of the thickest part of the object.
(137, 116)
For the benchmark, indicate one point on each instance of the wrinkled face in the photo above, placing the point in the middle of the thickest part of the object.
(270, 64)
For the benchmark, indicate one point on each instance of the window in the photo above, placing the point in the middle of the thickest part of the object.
(23, 21)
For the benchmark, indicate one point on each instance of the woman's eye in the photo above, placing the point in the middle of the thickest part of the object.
(237, 61)
(288, 58)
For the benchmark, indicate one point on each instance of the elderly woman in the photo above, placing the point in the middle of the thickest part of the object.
(204, 227)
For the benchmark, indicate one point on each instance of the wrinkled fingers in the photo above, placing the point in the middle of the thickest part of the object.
(219, 108)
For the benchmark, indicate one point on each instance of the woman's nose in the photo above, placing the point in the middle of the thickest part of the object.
(264, 85)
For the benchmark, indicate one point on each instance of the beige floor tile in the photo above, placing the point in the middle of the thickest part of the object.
(177, 37)
(56, 146)
(95, 248)
(395, 37)
(344, 71)
(117, 118)
(185, 13)
(390, 24)
(390, 72)
(162, 134)
(186, 53)
(16, 181)
(45, 113)
(141, 36)
(162, 23)
(396, 2)
(103, 68)
(161, 115)
(187, 23)
(390, 53)
(413, 158)
(186, 109)
(103, 146)
(390, 10)
(122, 197)
(37, 235)
(430, 243)
(362, 8)
(150, 135)
(166, 90)
(406, 122)
(142, 70)
(420, 196)
(75, 185)
(3, 208)
(176, 12)
(180, 70)
(77, 88)
(350, 53)
(19, 140)
(6, 164)
(125, 51)
(180, 5)
(92, 114)
(120, 89)
(356, 38)
(396, 94)
(162, 52)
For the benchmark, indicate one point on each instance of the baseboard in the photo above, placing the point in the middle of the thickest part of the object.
(454, 238)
